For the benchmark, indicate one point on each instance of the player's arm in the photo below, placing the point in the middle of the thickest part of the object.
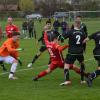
(10, 49)
(61, 48)
(85, 30)
(46, 38)
(66, 35)
(89, 37)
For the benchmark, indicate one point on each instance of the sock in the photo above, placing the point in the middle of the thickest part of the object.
(95, 74)
(77, 70)
(41, 74)
(13, 67)
(35, 58)
(66, 74)
(82, 72)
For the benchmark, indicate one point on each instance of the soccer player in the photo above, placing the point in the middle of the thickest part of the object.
(56, 25)
(31, 29)
(96, 52)
(43, 47)
(64, 26)
(75, 51)
(57, 61)
(82, 26)
(10, 27)
(9, 47)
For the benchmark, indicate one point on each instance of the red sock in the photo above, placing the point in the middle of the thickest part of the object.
(42, 74)
(77, 70)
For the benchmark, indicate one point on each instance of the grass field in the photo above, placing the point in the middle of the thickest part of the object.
(48, 88)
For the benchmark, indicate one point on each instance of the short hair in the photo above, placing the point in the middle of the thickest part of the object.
(78, 16)
(48, 21)
(15, 33)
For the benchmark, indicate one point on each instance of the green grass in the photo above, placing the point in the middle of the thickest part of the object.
(48, 88)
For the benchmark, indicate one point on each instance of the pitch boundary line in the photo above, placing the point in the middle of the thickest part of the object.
(26, 69)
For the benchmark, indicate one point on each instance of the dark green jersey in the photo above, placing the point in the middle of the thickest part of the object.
(76, 38)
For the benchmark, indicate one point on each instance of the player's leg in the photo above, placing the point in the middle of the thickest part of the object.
(77, 70)
(14, 63)
(51, 67)
(3, 66)
(95, 74)
(80, 58)
(69, 60)
(42, 49)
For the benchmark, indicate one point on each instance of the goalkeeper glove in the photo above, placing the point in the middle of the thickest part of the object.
(20, 49)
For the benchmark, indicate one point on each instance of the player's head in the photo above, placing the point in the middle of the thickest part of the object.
(16, 36)
(48, 24)
(9, 20)
(78, 19)
(54, 38)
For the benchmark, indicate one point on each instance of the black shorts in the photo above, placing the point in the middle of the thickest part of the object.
(42, 48)
(70, 59)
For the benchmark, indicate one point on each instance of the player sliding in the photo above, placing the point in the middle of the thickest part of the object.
(43, 47)
(96, 37)
(11, 47)
(55, 51)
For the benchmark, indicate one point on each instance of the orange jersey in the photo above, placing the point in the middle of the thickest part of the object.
(9, 48)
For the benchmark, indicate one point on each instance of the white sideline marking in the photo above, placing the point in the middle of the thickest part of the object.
(26, 69)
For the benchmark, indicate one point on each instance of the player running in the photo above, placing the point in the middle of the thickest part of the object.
(75, 52)
(56, 57)
(96, 52)
(11, 47)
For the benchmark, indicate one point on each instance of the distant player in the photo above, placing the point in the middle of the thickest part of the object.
(64, 26)
(8, 48)
(75, 51)
(10, 27)
(57, 61)
(96, 52)
(43, 46)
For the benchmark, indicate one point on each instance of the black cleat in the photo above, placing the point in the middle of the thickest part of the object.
(89, 81)
(35, 79)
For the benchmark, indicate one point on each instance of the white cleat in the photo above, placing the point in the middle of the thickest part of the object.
(65, 83)
(29, 65)
(13, 78)
(83, 82)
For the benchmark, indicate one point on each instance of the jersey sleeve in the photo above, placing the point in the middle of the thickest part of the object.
(67, 35)
(16, 28)
(92, 36)
(60, 48)
(46, 38)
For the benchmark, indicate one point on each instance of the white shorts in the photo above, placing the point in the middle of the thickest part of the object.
(7, 59)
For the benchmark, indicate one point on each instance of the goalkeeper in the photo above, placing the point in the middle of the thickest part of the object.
(9, 53)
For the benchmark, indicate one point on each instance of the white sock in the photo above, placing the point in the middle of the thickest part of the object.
(13, 69)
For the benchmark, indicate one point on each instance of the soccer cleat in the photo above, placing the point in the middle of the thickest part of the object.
(89, 81)
(83, 82)
(35, 79)
(13, 78)
(65, 83)
(29, 65)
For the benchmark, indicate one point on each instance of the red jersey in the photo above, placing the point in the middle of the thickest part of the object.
(55, 50)
(10, 29)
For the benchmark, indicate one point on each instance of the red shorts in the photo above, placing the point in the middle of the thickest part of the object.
(56, 64)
